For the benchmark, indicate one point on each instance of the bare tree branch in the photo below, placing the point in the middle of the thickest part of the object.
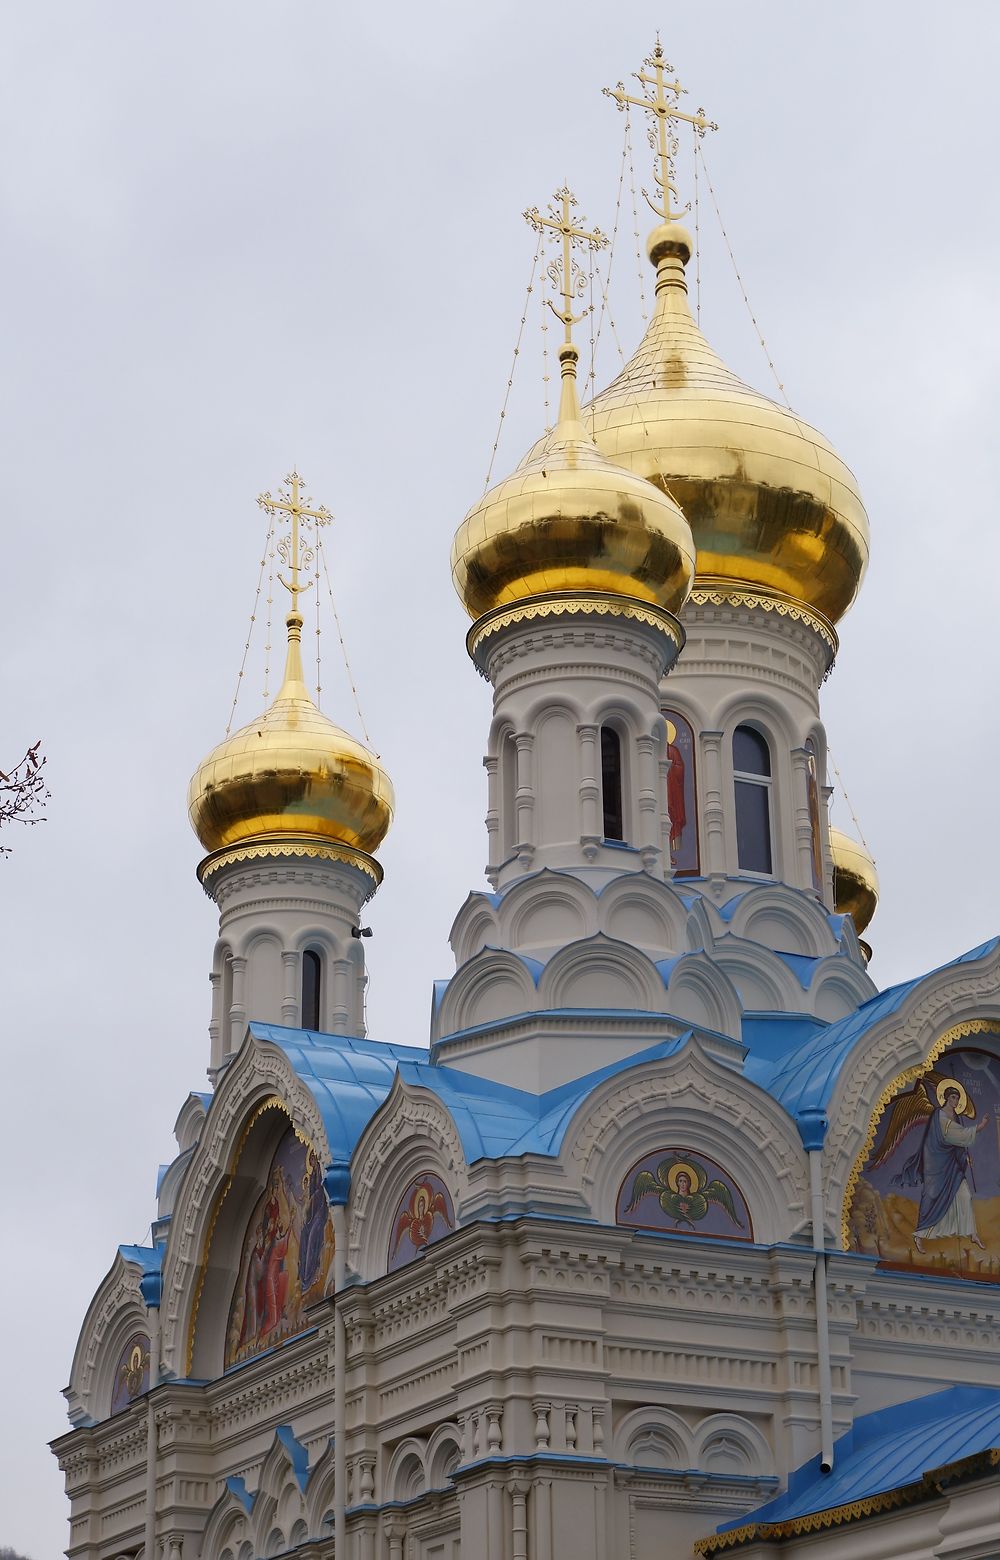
(23, 794)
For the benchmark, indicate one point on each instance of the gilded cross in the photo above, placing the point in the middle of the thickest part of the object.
(664, 104)
(299, 509)
(567, 278)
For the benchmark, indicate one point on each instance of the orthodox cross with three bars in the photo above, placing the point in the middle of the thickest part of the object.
(667, 111)
(569, 280)
(292, 503)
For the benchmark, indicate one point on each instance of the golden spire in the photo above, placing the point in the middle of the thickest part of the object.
(569, 281)
(664, 104)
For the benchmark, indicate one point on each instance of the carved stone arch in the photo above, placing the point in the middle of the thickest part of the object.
(227, 1526)
(948, 1006)
(627, 715)
(474, 928)
(190, 1122)
(299, 1533)
(501, 727)
(601, 973)
(443, 1455)
(645, 912)
(838, 988)
(410, 1133)
(763, 982)
(730, 1444)
(704, 926)
(691, 1100)
(258, 1086)
(406, 1471)
(700, 992)
(546, 911)
(114, 1314)
(760, 708)
(493, 984)
(782, 918)
(320, 1490)
(657, 1435)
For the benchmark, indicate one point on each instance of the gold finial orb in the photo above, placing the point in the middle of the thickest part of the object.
(855, 880)
(669, 238)
(291, 772)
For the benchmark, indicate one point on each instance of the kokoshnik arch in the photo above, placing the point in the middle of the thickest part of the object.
(682, 1236)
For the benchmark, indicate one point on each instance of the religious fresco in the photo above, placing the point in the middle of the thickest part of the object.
(131, 1372)
(424, 1213)
(812, 787)
(682, 802)
(287, 1255)
(927, 1197)
(677, 1190)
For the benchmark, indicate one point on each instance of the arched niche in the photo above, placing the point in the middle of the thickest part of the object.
(130, 1378)
(269, 1251)
(424, 1214)
(924, 1193)
(677, 1190)
(682, 795)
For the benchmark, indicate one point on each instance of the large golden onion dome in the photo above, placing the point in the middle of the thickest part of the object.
(855, 880)
(291, 772)
(569, 520)
(771, 504)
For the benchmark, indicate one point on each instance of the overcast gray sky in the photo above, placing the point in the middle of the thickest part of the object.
(240, 236)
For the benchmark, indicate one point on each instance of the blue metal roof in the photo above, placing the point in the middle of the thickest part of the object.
(888, 1449)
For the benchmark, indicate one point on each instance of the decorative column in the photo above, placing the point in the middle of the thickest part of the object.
(217, 1021)
(519, 1519)
(492, 767)
(649, 839)
(290, 1001)
(524, 800)
(714, 811)
(802, 819)
(542, 1507)
(235, 1023)
(591, 831)
(395, 1532)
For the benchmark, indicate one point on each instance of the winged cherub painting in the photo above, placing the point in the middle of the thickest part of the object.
(676, 1190)
(423, 1215)
(926, 1195)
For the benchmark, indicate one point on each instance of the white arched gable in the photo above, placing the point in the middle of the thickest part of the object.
(475, 927)
(600, 973)
(646, 912)
(228, 1526)
(730, 1444)
(839, 987)
(546, 911)
(654, 1437)
(116, 1312)
(785, 919)
(443, 1455)
(694, 1101)
(700, 993)
(259, 1092)
(763, 982)
(411, 1133)
(406, 1471)
(492, 985)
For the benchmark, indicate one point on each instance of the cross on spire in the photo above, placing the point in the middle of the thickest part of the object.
(664, 104)
(566, 276)
(296, 557)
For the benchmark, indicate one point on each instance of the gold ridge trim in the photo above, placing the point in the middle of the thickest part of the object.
(971, 1026)
(271, 1103)
(573, 604)
(283, 846)
(724, 596)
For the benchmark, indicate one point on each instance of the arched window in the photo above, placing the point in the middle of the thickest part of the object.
(611, 783)
(312, 979)
(752, 776)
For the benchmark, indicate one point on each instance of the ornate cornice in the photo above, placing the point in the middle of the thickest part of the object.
(709, 594)
(572, 604)
(292, 846)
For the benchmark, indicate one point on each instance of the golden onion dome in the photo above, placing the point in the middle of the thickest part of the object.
(771, 505)
(291, 772)
(568, 519)
(855, 880)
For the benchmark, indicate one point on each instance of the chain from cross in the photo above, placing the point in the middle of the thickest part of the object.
(667, 111)
(567, 279)
(296, 558)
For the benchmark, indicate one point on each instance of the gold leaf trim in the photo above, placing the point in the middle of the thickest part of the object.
(573, 605)
(290, 847)
(971, 1026)
(271, 1103)
(722, 596)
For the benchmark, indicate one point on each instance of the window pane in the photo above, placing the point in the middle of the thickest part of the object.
(750, 752)
(310, 989)
(753, 827)
(611, 782)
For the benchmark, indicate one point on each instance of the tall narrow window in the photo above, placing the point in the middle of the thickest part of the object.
(752, 776)
(611, 783)
(312, 976)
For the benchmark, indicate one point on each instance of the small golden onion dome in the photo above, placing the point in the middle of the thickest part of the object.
(771, 505)
(855, 881)
(569, 520)
(291, 772)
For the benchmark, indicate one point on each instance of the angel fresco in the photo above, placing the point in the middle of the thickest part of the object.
(942, 1163)
(684, 1191)
(424, 1215)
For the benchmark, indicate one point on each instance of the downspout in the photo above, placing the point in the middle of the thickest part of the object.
(150, 1286)
(338, 1185)
(815, 1150)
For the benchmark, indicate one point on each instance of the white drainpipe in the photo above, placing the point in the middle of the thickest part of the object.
(150, 1286)
(822, 1318)
(339, 1385)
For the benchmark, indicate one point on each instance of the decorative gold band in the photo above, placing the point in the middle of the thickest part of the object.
(273, 845)
(573, 604)
(708, 592)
